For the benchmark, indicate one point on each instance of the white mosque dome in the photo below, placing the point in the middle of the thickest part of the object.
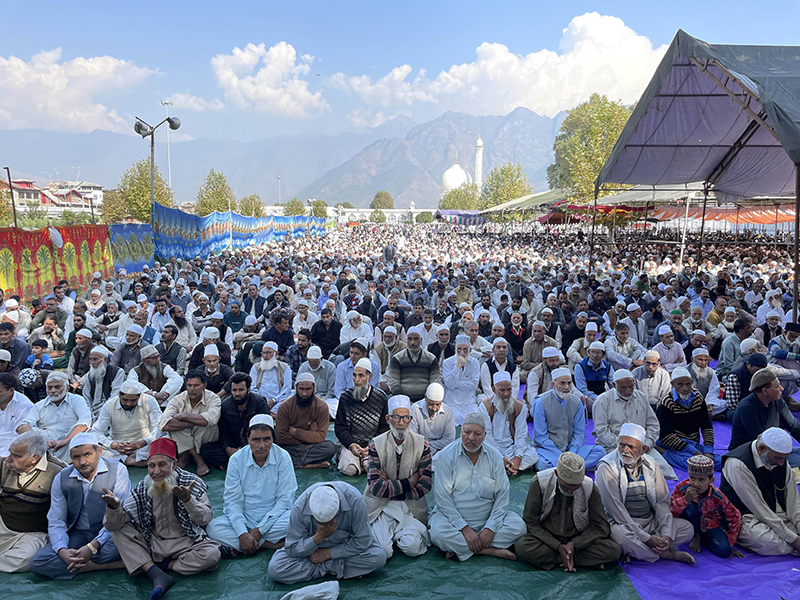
(454, 178)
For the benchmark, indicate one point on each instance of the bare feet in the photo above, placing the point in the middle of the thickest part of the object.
(202, 468)
(272, 546)
(694, 545)
(679, 556)
(322, 465)
(183, 460)
(625, 559)
(499, 553)
(449, 554)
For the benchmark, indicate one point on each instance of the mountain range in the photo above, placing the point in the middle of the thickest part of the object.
(405, 158)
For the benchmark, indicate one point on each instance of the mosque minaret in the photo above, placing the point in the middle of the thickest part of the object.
(456, 176)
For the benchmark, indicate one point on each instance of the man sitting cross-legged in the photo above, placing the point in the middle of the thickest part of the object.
(398, 482)
(160, 525)
(78, 541)
(471, 490)
(259, 492)
(328, 533)
(567, 524)
(302, 424)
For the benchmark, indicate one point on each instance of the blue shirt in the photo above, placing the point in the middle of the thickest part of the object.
(543, 440)
(258, 496)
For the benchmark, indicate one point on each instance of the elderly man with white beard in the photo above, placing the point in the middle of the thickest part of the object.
(471, 489)
(460, 376)
(433, 420)
(162, 381)
(354, 328)
(626, 404)
(59, 417)
(360, 417)
(160, 525)
(652, 379)
(559, 424)
(128, 423)
(271, 377)
(218, 374)
(507, 425)
(398, 482)
(637, 502)
(324, 373)
(102, 381)
(705, 380)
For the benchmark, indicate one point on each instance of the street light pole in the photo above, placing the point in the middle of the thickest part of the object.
(144, 129)
(11, 193)
(279, 189)
(166, 104)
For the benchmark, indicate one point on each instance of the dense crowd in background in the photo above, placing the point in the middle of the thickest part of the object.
(398, 335)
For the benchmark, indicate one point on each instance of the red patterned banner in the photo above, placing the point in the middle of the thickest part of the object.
(85, 249)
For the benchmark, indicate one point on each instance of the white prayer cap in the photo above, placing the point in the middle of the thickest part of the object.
(547, 310)
(129, 304)
(413, 330)
(390, 329)
(747, 345)
(305, 377)
(304, 302)
(129, 386)
(700, 352)
(464, 305)
(399, 401)
(5, 355)
(211, 333)
(86, 333)
(141, 297)
(12, 315)
(652, 354)
(633, 430)
(101, 350)
(442, 328)
(262, 420)
(272, 345)
(217, 315)
(550, 352)
(97, 293)
(730, 310)
(353, 314)
(474, 418)
(137, 329)
(314, 353)
(501, 376)
(773, 313)
(679, 373)
(324, 503)
(250, 320)
(11, 304)
(147, 351)
(96, 275)
(622, 374)
(211, 350)
(365, 363)
(597, 346)
(591, 326)
(633, 306)
(561, 372)
(499, 340)
(664, 329)
(699, 332)
(777, 440)
(435, 392)
(620, 303)
(83, 438)
(462, 338)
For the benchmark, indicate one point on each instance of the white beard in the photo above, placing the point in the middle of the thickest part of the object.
(562, 395)
(152, 371)
(163, 487)
(400, 435)
(392, 345)
(268, 365)
(97, 373)
(57, 397)
(360, 392)
(701, 372)
(565, 492)
(628, 461)
(211, 371)
(503, 406)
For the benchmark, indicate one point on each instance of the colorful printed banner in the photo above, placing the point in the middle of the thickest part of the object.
(30, 264)
(182, 235)
(132, 246)
(460, 217)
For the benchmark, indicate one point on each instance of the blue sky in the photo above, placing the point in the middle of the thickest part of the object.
(118, 59)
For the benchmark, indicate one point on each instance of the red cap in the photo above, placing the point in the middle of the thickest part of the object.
(165, 446)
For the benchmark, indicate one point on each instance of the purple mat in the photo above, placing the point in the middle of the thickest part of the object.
(753, 577)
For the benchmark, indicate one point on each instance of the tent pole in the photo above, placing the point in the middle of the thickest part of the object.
(702, 225)
(685, 224)
(796, 237)
(736, 237)
(594, 219)
(614, 229)
(775, 247)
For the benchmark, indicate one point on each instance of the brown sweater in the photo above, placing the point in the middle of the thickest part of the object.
(24, 508)
(311, 422)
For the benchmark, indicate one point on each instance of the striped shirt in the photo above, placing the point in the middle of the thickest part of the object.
(636, 497)
(680, 423)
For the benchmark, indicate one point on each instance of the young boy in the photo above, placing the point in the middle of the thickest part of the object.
(716, 520)
(38, 359)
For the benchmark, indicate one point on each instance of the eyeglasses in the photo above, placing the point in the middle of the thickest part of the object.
(404, 418)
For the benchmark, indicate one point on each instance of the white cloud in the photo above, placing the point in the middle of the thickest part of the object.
(597, 54)
(276, 87)
(48, 94)
(362, 118)
(194, 103)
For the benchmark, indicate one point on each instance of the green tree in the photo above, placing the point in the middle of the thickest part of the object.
(35, 211)
(464, 197)
(113, 209)
(6, 214)
(134, 188)
(583, 144)
(378, 216)
(215, 195)
(319, 209)
(251, 206)
(504, 182)
(425, 217)
(343, 205)
(382, 200)
(294, 208)
(76, 218)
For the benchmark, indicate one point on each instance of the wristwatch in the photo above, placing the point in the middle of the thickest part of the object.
(91, 547)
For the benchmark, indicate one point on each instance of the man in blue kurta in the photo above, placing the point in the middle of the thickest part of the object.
(471, 490)
(559, 425)
(78, 541)
(259, 491)
(328, 533)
